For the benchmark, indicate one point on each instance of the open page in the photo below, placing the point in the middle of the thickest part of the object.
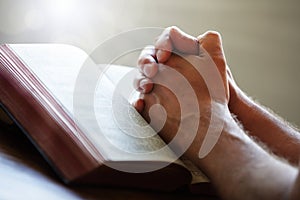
(58, 67)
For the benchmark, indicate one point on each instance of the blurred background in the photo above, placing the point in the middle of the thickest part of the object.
(261, 37)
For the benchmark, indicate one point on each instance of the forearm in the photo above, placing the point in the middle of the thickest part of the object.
(240, 169)
(281, 138)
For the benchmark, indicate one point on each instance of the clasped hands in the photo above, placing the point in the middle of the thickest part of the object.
(201, 63)
(204, 82)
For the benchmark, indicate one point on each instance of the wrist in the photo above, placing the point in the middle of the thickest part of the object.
(241, 105)
(213, 127)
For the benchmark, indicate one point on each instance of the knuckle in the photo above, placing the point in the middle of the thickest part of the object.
(140, 61)
(173, 30)
(213, 34)
(144, 60)
(170, 31)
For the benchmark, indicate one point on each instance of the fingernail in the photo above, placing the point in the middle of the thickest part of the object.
(139, 105)
(159, 55)
(149, 70)
(146, 85)
(143, 85)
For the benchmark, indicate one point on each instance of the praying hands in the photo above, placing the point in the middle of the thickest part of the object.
(187, 88)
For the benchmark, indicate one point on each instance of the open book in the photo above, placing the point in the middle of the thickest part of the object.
(85, 128)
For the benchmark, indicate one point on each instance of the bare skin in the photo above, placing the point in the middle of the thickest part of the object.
(248, 171)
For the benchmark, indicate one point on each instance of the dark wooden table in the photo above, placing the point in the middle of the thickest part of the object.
(24, 174)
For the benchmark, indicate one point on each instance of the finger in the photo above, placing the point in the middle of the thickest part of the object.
(146, 85)
(173, 39)
(148, 50)
(143, 84)
(147, 62)
(150, 70)
(136, 82)
(211, 42)
(139, 105)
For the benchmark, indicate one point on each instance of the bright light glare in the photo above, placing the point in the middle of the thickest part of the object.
(34, 19)
(63, 9)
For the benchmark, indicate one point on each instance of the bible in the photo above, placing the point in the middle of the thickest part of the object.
(86, 129)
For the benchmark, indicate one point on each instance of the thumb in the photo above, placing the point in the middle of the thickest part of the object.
(211, 42)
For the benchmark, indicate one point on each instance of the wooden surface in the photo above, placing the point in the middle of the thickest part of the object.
(24, 174)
